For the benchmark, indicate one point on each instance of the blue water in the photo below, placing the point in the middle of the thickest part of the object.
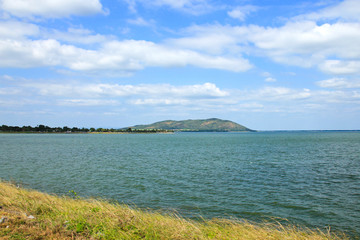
(310, 178)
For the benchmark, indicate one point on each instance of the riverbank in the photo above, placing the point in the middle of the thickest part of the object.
(29, 214)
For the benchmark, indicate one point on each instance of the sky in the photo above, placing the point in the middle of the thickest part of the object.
(268, 65)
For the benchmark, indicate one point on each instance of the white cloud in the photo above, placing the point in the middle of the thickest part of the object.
(51, 8)
(134, 55)
(242, 12)
(9, 91)
(7, 77)
(76, 94)
(306, 43)
(266, 74)
(206, 90)
(76, 35)
(131, 5)
(270, 79)
(346, 10)
(25, 54)
(141, 22)
(302, 43)
(115, 56)
(16, 30)
(213, 39)
(11, 103)
(341, 67)
(204, 98)
(195, 7)
(282, 93)
(87, 102)
(339, 83)
(151, 101)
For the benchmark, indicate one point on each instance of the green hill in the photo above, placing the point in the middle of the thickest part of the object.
(202, 125)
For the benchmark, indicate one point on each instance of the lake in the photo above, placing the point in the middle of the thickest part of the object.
(310, 178)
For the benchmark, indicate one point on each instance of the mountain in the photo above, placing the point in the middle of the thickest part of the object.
(202, 125)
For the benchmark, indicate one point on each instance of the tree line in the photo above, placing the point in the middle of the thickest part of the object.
(46, 129)
(41, 128)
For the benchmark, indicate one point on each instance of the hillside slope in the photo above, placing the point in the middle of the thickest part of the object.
(202, 125)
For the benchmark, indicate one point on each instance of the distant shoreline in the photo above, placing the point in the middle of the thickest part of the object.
(177, 131)
(168, 132)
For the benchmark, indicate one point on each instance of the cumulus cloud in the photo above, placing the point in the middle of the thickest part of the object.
(23, 54)
(345, 10)
(206, 97)
(157, 101)
(213, 39)
(266, 99)
(51, 8)
(206, 90)
(76, 36)
(339, 67)
(306, 43)
(195, 7)
(76, 94)
(116, 56)
(135, 55)
(15, 29)
(339, 83)
(300, 43)
(242, 12)
(87, 102)
(11, 30)
(278, 93)
(141, 22)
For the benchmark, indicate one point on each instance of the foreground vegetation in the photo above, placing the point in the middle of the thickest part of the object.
(28, 214)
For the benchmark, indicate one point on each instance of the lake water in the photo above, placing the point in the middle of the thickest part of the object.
(309, 178)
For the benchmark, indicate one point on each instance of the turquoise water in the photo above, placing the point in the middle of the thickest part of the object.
(309, 178)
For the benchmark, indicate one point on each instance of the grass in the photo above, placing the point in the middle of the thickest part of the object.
(29, 214)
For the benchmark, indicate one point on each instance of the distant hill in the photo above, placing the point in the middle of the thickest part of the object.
(202, 125)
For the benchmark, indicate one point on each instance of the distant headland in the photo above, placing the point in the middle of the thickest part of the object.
(167, 126)
(200, 125)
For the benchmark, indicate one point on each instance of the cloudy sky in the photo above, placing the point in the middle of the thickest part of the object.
(268, 65)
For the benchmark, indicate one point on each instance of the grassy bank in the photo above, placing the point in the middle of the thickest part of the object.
(28, 214)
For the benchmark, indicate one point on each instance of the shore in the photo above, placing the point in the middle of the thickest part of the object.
(29, 214)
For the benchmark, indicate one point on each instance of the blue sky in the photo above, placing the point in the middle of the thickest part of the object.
(269, 65)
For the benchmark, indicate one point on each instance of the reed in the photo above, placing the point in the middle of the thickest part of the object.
(29, 214)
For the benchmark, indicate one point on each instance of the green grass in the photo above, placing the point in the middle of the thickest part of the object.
(61, 217)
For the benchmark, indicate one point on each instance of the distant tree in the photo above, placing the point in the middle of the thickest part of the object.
(57, 129)
(41, 128)
(27, 129)
(84, 130)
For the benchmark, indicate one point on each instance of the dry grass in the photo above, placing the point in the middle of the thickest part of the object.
(67, 218)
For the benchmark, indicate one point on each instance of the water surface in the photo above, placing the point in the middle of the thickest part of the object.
(309, 178)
